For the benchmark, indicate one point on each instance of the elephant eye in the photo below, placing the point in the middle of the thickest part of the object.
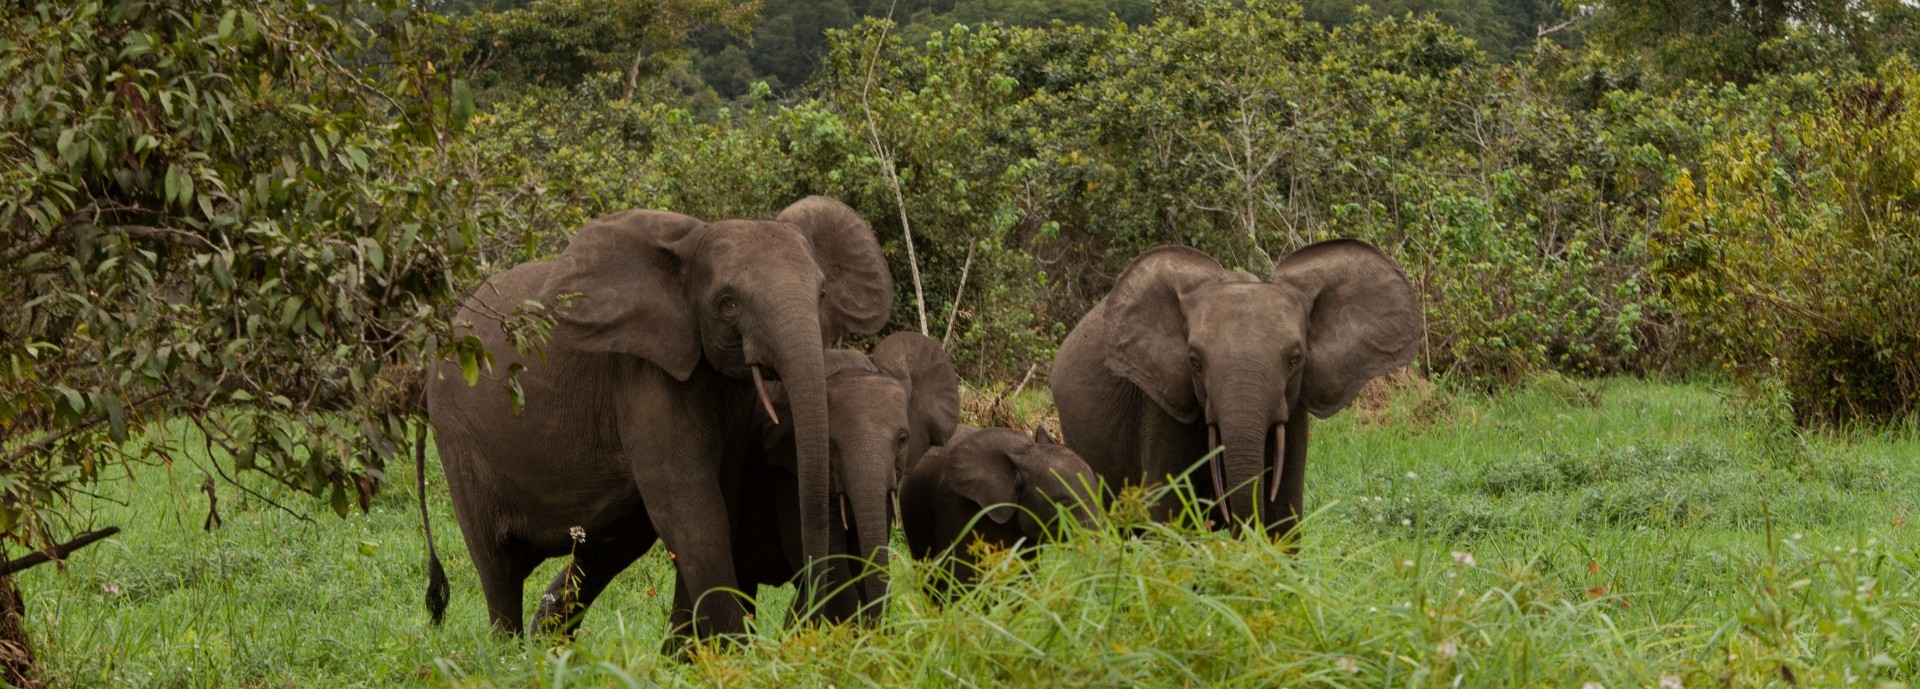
(727, 307)
(1193, 360)
(1293, 360)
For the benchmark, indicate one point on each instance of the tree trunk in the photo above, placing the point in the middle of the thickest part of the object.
(16, 651)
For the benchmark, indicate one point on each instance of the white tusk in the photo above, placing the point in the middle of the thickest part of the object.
(1219, 479)
(1279, 459)
(760, 385)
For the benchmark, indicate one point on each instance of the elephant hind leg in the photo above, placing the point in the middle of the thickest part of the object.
(574, 589)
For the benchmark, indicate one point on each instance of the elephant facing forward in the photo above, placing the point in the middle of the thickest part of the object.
(1183, 356)
(637, 416)
(884, 411)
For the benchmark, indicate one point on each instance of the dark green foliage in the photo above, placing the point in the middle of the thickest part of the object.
(559, 43)
(1743, 41)
(1524, 198)
(1504, 29)
(229, 216)
(1248, 132)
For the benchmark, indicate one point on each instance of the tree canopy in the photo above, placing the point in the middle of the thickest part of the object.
(228, 216)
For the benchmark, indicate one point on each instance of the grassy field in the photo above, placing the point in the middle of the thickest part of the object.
(1622, 533)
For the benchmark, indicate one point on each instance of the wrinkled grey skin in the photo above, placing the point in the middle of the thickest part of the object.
(1184, 355)
(1022, 484)
(882, 412)
(636, 415)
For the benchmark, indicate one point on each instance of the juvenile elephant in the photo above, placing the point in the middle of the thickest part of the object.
(1184, 355)
(1022, 484)
(637, 415)
(883, 413)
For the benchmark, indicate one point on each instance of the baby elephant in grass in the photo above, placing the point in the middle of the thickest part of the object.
(1023, 484)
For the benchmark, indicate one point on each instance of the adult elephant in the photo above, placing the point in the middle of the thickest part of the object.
(884, 411)
(1184, 355)
(636, 410)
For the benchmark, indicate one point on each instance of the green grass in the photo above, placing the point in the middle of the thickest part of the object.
(1623, 532)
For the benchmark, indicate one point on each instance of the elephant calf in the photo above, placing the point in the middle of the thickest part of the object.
(1021, 483)
(884, 412)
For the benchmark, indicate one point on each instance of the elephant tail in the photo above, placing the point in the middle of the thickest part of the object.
(436, 574)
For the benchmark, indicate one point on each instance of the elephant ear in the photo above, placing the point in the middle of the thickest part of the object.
(983, 472)
(843, 361)
(1148, 327)
(859, 290)
(933, 388)
(1364, 322)
(627, 269)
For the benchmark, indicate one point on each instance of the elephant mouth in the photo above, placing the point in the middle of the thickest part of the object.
(1272, 455)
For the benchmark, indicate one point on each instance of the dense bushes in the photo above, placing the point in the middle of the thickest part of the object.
(1248, 132)
(1793, 251)
(1529, 201)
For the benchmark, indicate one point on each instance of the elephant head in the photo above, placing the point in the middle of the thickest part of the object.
(885, 411)
(750, 298)
(1247, 356)
(1024, 481)
(993, 485)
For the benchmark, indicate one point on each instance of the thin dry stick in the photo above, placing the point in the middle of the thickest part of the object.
(993, 410)
(953, 310)
(886, 168)
(1023, 381)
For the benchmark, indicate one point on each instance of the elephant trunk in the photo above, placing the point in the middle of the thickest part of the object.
(798, 356)
(1244, 432)
(868, 493)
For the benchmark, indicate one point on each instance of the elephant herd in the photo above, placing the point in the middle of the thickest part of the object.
(686, 394)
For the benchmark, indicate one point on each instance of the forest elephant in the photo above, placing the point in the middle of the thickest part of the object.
(883, 412)
(638, 410)
(1183, 356)
(1022, 484)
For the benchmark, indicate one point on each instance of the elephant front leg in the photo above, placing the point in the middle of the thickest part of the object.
(692, 519)
(674, 449)
(1168, 449)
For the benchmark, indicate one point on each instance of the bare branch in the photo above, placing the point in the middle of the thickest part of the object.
(58, 552)
(953, 310)
(1543, 30)
(886, 167)
(164, 234)
(210, 442)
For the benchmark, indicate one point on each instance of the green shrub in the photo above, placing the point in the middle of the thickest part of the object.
(1791, 252)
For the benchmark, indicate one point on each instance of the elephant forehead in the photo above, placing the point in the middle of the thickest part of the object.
(732, 247)
(1234, 307)
(1062, 461)
(869, 393)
